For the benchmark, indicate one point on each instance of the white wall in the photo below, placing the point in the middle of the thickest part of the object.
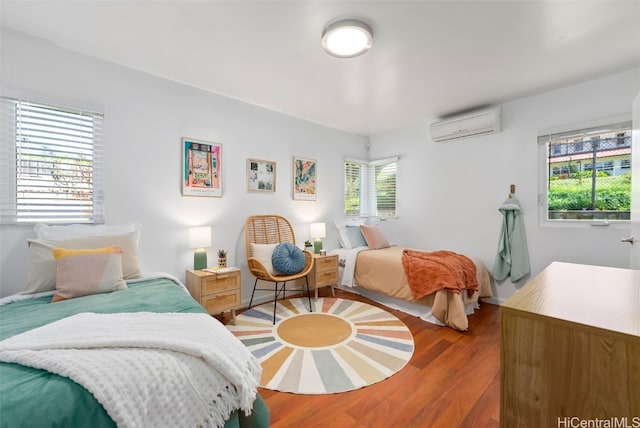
(145, 118)
(449, 192)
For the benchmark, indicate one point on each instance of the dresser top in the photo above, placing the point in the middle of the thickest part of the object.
(594, 296)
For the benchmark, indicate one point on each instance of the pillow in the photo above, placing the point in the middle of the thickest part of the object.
(374, 237)
(355, 237)
(87, 271)
(287, 259)
(264, 253)
(42, 265)
(341, 225)
(72, 231)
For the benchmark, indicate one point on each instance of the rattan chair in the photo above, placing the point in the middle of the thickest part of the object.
(272, 229)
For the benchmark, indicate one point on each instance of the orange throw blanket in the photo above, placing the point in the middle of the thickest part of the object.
(428, 272)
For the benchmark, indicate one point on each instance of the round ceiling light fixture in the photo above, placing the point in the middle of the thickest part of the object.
(347, 38)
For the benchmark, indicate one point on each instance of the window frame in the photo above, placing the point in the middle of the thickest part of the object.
(10, 102)
(543, 138)
(368, 192)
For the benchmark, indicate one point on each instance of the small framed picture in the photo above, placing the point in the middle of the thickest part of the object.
(304, 179)
(201, 168)
(261, 176)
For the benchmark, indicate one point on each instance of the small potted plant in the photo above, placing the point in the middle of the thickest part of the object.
(308, 245)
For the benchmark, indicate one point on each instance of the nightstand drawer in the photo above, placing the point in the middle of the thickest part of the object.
(221, 301)
(328, 277)
(326, 263)
(216, 293)
(217, 283)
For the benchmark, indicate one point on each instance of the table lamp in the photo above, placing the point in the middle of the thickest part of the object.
(200, 238)
(317, 231)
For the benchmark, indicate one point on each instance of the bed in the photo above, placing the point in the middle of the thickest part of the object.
(370, 266)
(143, 354)
(36, 397)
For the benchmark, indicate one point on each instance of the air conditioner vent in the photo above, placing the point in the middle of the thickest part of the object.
(479, 122)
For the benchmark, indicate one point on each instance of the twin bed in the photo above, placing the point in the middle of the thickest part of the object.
(145, 354)
(370, 266)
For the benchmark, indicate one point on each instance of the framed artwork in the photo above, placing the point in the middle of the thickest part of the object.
(304, 179)
(261, 176)
(201, 168)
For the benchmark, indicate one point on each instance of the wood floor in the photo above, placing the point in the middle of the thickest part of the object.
(452, 380)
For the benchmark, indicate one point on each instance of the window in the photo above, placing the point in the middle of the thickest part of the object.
(370, 187)
(587, 173)
(51, 160)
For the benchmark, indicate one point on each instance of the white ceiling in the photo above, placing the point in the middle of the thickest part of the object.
(429, 59)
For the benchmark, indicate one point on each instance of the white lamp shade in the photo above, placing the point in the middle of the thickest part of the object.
(317, 230)
(200, 237)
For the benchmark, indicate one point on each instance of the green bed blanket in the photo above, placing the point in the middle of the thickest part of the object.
(36, 398)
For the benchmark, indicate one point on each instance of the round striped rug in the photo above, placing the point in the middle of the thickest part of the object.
(341, 346)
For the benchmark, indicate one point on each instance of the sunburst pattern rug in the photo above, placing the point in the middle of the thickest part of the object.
(341, 346)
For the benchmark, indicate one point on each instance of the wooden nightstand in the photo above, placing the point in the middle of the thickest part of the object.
(324, 273)
(216, 292)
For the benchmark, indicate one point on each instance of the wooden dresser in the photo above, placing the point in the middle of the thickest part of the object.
(570, 348)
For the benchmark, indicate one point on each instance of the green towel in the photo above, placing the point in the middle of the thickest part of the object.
(513, 256)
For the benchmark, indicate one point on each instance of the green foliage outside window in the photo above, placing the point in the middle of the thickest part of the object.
(612, 193)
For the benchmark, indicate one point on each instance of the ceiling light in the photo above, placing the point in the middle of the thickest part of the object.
(347, 38)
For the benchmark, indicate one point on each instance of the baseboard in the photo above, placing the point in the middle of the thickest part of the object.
(493, 300)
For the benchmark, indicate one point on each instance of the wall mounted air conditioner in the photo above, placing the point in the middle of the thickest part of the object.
(479, 122)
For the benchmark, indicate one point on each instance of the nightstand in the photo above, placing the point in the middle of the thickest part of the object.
(324, 273)
(216, 292)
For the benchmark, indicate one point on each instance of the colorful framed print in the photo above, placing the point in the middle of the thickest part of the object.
(304, 179)
(201, 168)
(261, 176)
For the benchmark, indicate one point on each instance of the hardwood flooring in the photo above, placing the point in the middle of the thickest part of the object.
(452, 380)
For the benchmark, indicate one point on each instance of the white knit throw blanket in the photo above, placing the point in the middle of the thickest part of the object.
(146, 369)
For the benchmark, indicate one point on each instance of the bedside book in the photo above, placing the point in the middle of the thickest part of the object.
(217, 269)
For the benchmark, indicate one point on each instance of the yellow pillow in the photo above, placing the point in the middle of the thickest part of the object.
(81, 272)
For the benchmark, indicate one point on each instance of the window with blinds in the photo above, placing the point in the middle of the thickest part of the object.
(370, 187)
(51, 160)
(588, 173)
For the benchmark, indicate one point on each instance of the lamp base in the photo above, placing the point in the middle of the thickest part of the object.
(317, 245)
(200, 259)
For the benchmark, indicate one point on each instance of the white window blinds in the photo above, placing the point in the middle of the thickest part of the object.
(51, 160)
(382, 184)
(354, 177)
(370, 187)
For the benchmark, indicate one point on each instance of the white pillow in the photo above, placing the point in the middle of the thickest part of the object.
(264, 252)
(341, 225)
(72, 231)
(42, 265)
